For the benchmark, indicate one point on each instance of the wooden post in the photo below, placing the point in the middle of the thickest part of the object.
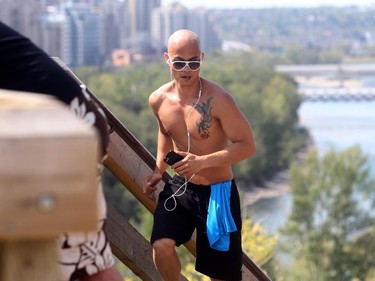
(28, 260)
(48, 162)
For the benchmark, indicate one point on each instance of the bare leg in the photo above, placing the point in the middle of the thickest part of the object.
(166, 259)
(110, 274)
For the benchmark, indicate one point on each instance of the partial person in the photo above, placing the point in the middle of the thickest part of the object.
(202, 123)
(25, 67)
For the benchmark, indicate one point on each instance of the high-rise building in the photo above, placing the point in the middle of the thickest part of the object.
(165, 21)
(139, 24)
(70, 31)
(23, 16)
(175, 16)
(199, 22)
(85, 32)
(51, 28)
(113, 16)
(80, 35)
(140, 14)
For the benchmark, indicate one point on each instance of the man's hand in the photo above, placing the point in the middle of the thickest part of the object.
(150, 182)
(188, 166)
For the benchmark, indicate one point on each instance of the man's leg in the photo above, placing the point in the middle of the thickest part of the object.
(166, 259)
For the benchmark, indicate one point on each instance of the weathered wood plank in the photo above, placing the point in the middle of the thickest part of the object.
(48, 168)
(129, 168)
(130, 247)
(28, 260)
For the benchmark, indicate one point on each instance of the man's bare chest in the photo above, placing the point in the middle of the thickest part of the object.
(197, 119)
(177, 122)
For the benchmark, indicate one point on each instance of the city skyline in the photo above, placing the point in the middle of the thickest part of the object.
(224, 4)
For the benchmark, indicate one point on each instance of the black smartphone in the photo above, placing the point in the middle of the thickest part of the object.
(172, 157)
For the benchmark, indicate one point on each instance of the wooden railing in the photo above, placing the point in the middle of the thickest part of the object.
(129, 161)
(42, 188)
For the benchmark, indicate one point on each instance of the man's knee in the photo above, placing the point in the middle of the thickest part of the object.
(164, 247)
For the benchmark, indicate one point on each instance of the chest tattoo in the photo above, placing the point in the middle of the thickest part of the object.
(205, 121)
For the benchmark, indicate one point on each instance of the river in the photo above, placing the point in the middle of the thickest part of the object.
(336, 125)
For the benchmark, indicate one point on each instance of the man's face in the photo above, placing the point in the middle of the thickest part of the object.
(184, 59)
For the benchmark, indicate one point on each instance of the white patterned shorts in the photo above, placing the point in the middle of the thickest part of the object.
(84, 254)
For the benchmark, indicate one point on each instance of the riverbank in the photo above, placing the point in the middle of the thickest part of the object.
(279, 184)
(273, 188)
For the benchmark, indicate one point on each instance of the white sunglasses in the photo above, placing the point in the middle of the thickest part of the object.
(180, 65)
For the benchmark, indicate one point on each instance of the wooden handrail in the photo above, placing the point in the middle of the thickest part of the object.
(129, 161)
(36, 205)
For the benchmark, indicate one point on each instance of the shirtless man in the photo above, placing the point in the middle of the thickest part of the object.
(201, 122)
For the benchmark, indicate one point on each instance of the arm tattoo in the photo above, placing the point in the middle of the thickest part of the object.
(204, 123)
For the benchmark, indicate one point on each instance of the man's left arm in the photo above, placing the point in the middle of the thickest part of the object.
(237, 129)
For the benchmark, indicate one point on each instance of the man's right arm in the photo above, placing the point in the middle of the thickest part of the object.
(164, 144)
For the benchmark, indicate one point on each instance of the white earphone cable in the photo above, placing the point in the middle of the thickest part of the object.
(184, 185)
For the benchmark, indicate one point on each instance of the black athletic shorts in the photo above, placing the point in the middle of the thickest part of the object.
(177, 217)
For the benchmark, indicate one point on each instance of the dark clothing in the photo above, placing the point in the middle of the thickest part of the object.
(189, 214)
(25, 67)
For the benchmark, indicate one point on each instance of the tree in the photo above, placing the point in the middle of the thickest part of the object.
(331, 229)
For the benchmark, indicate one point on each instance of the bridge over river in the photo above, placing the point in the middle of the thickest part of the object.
(337, 94)
(333, 82)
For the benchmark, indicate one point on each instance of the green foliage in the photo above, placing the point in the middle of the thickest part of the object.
(331, 226)
(125, 272)
(257, 243)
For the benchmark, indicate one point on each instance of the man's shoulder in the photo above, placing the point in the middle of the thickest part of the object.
(215, 90)
(213, 86)
(218, 96)
(157, 96)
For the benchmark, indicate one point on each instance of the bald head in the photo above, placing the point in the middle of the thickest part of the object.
(183, 39)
